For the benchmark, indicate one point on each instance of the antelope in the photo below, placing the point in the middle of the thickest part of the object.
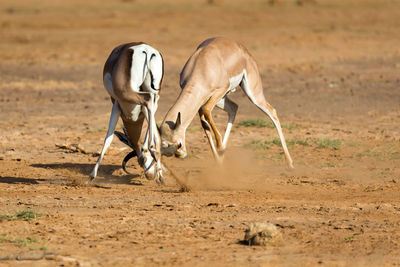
(132, 76)
(216, 68)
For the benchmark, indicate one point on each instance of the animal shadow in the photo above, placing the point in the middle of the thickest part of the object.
(105, 172)
(20, 180)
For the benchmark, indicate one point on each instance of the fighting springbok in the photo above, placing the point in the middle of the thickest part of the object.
(215, 69)
(132, 76)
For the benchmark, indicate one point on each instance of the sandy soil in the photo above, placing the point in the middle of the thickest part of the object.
(330, 68)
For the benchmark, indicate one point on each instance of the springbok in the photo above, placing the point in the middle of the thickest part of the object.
(215, 69)
(132, 76)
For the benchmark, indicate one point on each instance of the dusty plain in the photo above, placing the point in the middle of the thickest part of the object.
(330, 68)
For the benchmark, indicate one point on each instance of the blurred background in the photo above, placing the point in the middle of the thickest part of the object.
(277, 32)
(299, 36)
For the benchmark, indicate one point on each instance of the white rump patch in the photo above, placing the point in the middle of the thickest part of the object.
(146, 59)
(139, 67)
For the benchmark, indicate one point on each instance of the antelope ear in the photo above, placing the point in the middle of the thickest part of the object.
(178, 121)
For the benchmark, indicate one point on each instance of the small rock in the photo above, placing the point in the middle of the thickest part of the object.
(261, 234)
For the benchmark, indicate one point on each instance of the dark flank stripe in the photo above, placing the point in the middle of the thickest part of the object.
(128, 66)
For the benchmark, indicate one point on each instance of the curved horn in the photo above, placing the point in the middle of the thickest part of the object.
(130, 155)
(123, 137)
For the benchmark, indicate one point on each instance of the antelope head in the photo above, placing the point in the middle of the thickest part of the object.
(173, 138)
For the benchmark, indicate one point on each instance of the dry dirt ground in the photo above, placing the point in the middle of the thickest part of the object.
(330, 68)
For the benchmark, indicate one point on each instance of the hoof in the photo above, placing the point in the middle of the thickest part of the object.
(92, 175)
(160, 180)
(291, 167)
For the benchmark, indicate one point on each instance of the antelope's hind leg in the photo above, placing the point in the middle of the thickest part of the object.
(115, 113)
(256, 96)
(271, 112)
